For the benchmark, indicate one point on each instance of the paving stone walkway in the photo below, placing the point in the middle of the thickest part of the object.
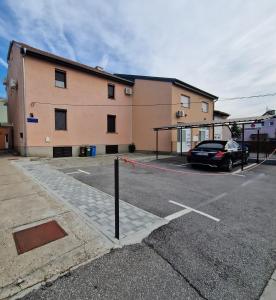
(96, 206)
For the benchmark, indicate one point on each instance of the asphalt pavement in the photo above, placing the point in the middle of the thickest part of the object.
(194, 256)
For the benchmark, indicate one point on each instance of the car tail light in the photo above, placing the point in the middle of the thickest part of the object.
(219, 154)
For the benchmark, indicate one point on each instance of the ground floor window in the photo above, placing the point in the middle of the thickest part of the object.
(111, 149)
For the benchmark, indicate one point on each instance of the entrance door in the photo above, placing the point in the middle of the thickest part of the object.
(203, 134)
(186, 140)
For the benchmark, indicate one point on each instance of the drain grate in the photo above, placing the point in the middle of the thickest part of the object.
(37, 236)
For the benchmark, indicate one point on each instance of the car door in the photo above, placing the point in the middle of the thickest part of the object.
(238, 151)
(232, 151)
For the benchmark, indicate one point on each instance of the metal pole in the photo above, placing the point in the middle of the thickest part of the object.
(258, 145)
(180, 141)
(213, 131)
(242, 147)
(156, 144)
(116, 177)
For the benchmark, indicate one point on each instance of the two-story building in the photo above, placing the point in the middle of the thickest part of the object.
(160, 101)
(57, 105)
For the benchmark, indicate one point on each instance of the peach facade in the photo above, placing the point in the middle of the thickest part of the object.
(84, 98)
(152, 108)
(153, 103)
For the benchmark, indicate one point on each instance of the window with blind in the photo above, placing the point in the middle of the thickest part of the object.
(185, 101)
(60, 78)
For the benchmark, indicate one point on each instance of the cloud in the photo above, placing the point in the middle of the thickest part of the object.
(3, 63)
(225, 47)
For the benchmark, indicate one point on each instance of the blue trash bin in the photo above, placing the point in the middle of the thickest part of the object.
(93, 150)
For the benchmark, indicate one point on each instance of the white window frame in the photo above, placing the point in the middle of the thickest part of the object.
(204, 105)
(185, 104)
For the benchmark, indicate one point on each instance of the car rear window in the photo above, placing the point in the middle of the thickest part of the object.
(211, 146)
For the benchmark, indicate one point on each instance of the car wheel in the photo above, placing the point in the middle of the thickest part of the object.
(229, 165)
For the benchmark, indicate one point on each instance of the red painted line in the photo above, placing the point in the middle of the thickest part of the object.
(134, 162)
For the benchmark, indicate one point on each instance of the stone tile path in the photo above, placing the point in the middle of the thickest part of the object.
(96, 206)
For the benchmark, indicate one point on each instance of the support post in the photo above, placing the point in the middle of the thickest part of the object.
(258, 145)
(213, 127)
(156, 147)
(181, 141)
(242, 148)
(116, 185)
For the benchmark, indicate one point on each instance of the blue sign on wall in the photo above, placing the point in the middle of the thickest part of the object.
(32, 120)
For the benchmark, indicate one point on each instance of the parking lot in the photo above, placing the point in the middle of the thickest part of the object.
(222, 232)
(162, 187)
(217, 231)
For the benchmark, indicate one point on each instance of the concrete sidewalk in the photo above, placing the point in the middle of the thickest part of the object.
(270, 290)
(94, 205)
(24, 204)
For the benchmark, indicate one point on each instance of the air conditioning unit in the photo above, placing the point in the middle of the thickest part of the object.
(13, 84)
(128, 91)
(179, 114)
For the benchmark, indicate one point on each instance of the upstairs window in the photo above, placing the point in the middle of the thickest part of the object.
(111, 91)
(60, 119)
(111, 123)
(60, 78)
(185, 101)
(205, 107)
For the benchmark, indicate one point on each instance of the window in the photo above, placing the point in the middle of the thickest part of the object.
(60, 78)
(111, 91)
(111, 123)
(271, 123)
(205, 107)
(60, 119)
(185, 101)
(219, 146)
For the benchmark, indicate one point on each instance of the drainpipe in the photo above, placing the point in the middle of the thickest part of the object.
(24, 102)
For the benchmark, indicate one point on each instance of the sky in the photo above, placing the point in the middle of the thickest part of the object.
(227, 48)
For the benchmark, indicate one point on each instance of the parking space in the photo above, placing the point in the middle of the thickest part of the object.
(164, 187)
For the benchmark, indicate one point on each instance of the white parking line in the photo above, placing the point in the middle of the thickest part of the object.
(194, 210)
(249, 166)
(178, 214)
(87, 173)
(75, 172)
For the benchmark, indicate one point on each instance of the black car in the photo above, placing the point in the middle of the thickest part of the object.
(220, 154)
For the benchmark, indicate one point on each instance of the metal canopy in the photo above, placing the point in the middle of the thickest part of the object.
(212, 123)
(6, 125)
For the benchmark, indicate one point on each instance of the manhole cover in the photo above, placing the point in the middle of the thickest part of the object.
(37, 236)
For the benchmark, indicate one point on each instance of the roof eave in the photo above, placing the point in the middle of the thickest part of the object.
(194, 90)
(78, 67)
(37, 53)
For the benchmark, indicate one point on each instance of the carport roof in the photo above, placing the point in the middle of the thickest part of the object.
(227, 122)
(6, 125)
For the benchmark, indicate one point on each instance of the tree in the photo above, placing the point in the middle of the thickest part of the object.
(236, 131)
